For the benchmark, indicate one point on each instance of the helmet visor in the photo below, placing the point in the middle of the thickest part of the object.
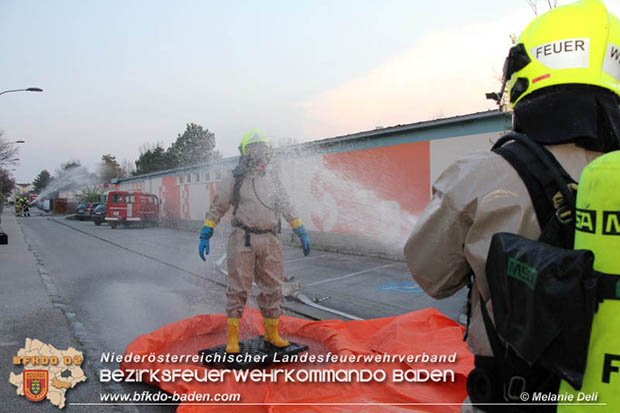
(258, 151)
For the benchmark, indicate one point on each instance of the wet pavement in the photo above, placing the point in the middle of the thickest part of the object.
(120, 283)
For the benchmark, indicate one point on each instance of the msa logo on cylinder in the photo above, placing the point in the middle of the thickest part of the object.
(586, 220)
(611, 222)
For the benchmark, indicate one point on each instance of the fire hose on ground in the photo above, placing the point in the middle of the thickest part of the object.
(294, 293)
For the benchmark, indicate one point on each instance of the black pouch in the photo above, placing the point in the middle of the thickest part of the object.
(544, 299)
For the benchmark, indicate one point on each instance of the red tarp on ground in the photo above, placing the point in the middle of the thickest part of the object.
(425, 331)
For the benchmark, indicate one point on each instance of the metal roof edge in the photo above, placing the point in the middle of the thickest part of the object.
(364, 135)
(489, 114)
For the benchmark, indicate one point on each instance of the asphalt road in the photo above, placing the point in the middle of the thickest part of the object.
(111, 285)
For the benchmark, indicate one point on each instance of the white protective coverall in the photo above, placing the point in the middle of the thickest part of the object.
(259, 195)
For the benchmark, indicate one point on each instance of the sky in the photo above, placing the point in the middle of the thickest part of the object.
(119, 75)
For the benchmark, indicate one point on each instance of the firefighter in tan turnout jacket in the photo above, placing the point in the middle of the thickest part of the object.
(254, 251)
(563, 81)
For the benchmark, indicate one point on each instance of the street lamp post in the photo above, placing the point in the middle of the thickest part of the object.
(30, 89)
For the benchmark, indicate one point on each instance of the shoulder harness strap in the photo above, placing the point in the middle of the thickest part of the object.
(238, 174)
(550, 187)
(551, 191)
(608, 286)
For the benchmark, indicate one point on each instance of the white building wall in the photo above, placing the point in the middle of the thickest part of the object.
(444, 152)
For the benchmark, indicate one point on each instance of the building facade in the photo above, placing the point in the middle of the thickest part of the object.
(357, 193)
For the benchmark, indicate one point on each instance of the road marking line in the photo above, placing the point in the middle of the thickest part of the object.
(349, 275)
(191, 273)
(305, 258)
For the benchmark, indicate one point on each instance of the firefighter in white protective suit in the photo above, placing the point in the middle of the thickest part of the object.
(254, 251)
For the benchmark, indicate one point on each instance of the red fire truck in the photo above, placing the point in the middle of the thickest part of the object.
(130, 207)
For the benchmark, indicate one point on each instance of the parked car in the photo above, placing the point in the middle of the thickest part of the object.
(85, 210)
(80, 211)
(99, 214)
(130, 207)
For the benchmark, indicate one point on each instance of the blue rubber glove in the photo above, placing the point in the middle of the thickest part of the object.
(303, 236)
(203, 248)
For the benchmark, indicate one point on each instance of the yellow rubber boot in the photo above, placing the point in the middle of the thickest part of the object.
(271, 333)
(232, 340)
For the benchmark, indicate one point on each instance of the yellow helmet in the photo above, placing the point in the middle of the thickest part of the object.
(253, 136)
(574, 44)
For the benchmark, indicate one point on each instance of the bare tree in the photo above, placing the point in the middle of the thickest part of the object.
(551, 4)
(8, 151)
(128, 168)
(145, 147)
(90, 193)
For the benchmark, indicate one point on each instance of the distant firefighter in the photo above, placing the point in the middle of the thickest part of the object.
(25, 208)
(18, 207)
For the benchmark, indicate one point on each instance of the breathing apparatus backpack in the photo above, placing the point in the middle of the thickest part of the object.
(239, 174)
(544, 294)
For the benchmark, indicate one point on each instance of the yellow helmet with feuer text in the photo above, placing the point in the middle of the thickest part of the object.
(574, 44)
